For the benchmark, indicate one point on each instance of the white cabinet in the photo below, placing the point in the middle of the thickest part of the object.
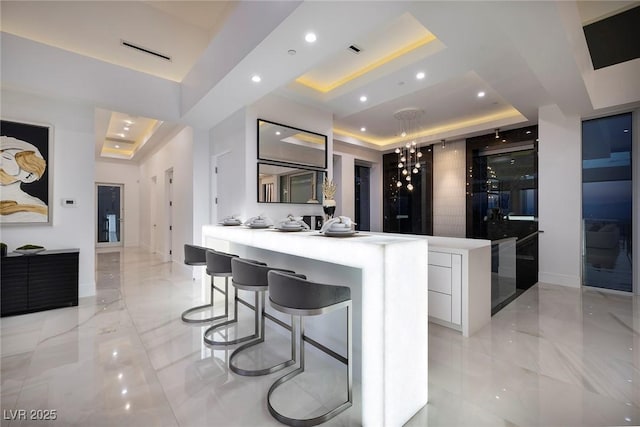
(445, 287)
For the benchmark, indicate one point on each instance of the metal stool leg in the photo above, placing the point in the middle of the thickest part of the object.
(210, 305)
(327, 415)
(260, 318)
(213, 328)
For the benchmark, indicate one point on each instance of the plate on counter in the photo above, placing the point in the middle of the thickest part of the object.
(227, 224)
(340, 233)
(290, 228)
(258, 226)
(29, 251)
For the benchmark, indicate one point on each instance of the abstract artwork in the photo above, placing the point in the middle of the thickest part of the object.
(25, 173)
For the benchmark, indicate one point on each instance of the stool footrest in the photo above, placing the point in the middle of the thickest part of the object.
(200, 308)
(301, 422)
(255, 372)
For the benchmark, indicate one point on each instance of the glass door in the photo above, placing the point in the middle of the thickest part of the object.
(607, 202)
(363, 197)
(110, 214)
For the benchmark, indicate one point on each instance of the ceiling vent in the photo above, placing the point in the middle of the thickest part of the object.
(145, 50)
(355, 49)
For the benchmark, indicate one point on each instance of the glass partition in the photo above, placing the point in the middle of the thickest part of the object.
(607, 195)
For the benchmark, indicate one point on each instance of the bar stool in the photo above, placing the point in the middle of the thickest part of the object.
(299, 297)
(217, 266)
(251, 276)
(244, 283)
(196, 256)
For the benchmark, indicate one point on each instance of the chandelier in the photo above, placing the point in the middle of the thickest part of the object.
(409, 155)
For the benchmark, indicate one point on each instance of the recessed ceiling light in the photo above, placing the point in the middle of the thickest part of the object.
(129, 122)
(528, 132)
(121, 135)
(363, 129)
(420, 75)
(291, 52)
(117, 146)
(278, 132)
(363, 98)
(481, 94)
(626, 130)
(256, 78)
(310, 37)
(126, 128)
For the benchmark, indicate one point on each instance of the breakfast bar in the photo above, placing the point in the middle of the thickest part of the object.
(387, 275)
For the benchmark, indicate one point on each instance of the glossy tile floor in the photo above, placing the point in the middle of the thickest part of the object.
(555, 356)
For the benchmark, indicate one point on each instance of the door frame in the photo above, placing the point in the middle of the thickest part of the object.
(120, 243)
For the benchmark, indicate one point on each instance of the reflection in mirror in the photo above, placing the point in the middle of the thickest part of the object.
(282, 143)
(283, 184)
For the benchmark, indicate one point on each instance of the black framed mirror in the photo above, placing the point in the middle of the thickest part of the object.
(286, 144)
(289, 184)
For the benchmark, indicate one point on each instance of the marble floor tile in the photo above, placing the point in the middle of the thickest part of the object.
(555, 356)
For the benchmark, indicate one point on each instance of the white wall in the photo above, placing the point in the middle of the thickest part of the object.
(227, 148)
(72, 173)
(201, 183)
(449, 189)
(347, 156)
(175, 154)
(127, 174)
(239, 140)
(559, 197)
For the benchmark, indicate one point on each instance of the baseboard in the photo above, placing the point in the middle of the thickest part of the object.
(559, 279)
(86, 289)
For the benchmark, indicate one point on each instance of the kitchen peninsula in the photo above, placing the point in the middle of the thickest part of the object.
(387, 276)
(390, 276)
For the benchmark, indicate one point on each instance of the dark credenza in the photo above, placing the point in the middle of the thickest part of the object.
(39, 282)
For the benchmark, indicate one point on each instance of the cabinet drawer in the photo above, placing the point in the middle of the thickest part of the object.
(440, 279)
(440, 306)
(440, 258)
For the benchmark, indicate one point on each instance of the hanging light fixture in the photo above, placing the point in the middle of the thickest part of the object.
(409, 155)
(443, 144)
(497, 133)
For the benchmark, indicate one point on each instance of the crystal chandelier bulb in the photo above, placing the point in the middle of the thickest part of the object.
(397, 151)
(419, 153)
(404, 172)
(408, 145)
(400, 165)
(413, 143)
(403, 134)
(410, 187)
(408, 178)
(403, 159)
(413, 150)
(418, 165)
(415, 170)
(399, 184)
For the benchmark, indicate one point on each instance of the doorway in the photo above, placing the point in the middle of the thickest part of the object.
(362, 197)
(169, 212)
(110, 215)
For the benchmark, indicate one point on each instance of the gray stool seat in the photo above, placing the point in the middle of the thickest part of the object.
(299, 297)
(218, 265)
(194, 255)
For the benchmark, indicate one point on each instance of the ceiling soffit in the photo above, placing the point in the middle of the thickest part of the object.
(402, 36)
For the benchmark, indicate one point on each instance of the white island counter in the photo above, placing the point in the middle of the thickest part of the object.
(387, 275)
